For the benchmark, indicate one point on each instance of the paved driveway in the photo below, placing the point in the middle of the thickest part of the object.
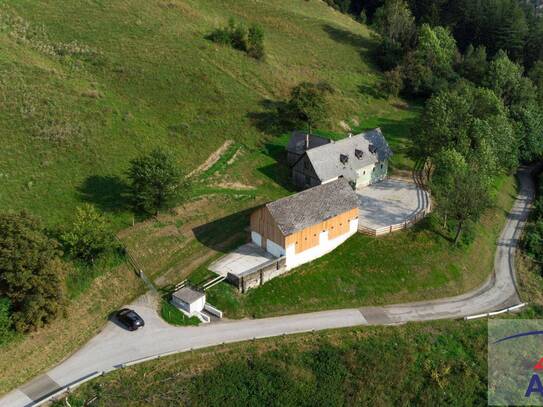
(390, 202)
(240, 260)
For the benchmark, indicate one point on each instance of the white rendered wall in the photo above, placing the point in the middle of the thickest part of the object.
(198, 306)
(325, 246)
(274, 249)
(256, 238)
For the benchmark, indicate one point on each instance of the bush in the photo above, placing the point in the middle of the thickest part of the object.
(89, 236)
(6, 323)
(392, 84)
(220, 36)
(533, 240)
(239, 37)
(256, 42)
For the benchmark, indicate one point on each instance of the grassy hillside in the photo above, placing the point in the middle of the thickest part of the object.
(88, 85)
(439, 363)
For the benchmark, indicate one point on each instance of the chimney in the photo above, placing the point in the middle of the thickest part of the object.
(350, 135)
(307, 141)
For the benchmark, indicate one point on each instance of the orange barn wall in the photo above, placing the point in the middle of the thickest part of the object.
(309, 237)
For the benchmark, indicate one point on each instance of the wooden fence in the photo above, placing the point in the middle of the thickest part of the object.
(393, 228)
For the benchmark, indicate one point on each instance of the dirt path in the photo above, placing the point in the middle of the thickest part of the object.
(212, 159)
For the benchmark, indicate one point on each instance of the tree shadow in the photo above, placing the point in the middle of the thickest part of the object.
(273, 119)
(366, 46)
(224, 234)
(372, 91)
(109, 193)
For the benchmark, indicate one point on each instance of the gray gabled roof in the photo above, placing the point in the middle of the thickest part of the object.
(313, 206)
(188, 295)
(297, 142)
(326, 159)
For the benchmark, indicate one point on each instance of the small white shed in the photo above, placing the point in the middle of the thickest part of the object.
(189, 299)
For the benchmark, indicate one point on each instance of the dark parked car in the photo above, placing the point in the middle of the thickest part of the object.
(130, 319)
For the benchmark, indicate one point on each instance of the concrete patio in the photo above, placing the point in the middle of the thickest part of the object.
(240, 260)
(390, 202)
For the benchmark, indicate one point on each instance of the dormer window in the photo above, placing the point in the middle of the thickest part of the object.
(372, 148)
(344, 158)
(358, 153)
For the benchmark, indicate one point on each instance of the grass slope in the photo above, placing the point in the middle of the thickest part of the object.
(87, 86)
(439, 363)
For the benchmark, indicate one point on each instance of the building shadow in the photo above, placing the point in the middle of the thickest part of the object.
(226, 233)
(109, 193)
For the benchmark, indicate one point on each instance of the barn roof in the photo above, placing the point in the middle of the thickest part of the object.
(313, 206)
(297, 141)
(342, 159)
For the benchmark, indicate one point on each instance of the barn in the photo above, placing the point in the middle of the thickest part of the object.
(307, 225)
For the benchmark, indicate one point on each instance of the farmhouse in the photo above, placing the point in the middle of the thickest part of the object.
(300, 142)
(307, 225)
(361, 159)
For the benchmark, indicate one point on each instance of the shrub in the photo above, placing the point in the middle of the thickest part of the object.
(220, 36)
(533, 240)
(392, 84)
(256, 42)
(6, 323)
(89, 236)
(239, 37)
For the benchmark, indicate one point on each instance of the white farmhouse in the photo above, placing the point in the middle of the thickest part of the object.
(361, 159)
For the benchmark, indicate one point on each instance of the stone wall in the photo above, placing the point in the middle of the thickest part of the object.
(258, 275)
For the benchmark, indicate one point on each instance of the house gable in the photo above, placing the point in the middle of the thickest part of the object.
(303, 173)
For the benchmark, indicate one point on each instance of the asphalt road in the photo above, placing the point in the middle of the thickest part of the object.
(115, 346)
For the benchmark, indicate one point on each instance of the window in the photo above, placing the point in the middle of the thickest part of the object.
(381, 165)
(364, 172)
(373, 169)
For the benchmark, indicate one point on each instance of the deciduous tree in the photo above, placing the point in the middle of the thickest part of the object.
(308, 103)
(155, 181)
(31, 271)
(89, 235)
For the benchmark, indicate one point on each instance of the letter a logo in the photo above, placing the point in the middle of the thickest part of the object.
(534, 386)
(539, 365)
